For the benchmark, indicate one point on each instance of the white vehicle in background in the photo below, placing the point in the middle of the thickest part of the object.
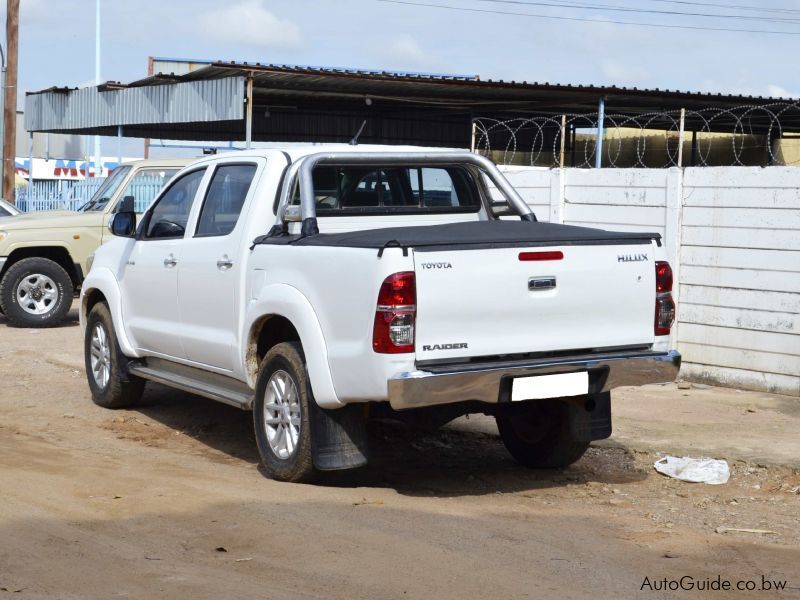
(317, 287)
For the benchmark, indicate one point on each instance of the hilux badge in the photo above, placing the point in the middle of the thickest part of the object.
(631, 257)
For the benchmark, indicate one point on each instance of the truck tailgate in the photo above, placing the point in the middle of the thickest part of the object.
(502, 301)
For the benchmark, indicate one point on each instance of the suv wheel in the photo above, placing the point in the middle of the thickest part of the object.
(540, 437)
(36, 292)
(280, 414)
(109, 383)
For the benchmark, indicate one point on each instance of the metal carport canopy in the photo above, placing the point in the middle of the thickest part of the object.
(317, 104)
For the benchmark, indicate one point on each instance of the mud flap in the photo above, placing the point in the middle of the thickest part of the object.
(338, 437)
(591, 420)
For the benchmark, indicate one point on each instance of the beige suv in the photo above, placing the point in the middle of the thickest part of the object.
(43, 254)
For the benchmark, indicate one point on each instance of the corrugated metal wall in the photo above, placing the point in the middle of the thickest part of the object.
(192, 101)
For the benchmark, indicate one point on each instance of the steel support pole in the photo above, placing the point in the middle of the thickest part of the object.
(680, 137)
(119, 144)
(248, 127)
(30, 164)
(563, 136)
(573, 139)
(472, 139)
(98, 155)
(601, 117)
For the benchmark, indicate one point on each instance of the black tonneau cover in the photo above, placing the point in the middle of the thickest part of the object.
(469, 235)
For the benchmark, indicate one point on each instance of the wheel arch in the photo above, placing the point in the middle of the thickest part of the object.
(284, 314)
(57, 253)
(101, 286)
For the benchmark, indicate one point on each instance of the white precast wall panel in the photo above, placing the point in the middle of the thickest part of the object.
(533, 184)
(621, 199)
(740, 277)
(732, 235)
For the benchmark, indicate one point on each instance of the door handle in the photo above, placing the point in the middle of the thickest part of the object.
(224, 263)
(170, 261)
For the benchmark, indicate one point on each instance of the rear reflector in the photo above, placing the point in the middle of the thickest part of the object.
(393, 328)
(551, 255)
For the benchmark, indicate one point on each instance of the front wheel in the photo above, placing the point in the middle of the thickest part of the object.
(36, 292)
(281, 414)
(540, 437)
(110, 385)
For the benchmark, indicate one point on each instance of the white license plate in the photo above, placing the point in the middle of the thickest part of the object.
(550, 386)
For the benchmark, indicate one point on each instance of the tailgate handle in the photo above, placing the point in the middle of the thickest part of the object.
(541, 283)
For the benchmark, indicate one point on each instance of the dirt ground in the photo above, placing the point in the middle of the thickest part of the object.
(167, 501)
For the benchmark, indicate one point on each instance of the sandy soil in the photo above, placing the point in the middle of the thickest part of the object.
(167, 501)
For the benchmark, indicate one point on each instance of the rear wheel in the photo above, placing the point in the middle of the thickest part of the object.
(110, 385)
(36, 292)
(540, 438)
(281, 414)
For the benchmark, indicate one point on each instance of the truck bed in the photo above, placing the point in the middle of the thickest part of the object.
(473, 235)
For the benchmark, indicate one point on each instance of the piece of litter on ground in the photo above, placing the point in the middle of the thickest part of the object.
(694, 470)
(365, 501)
(221, 549)
(242, 559)
(745, 530)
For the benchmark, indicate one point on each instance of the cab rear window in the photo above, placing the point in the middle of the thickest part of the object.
(371, 190)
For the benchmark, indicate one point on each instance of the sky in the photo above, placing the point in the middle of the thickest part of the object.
(57, 39)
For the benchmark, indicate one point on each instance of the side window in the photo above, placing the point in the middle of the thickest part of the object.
(171, 213)
(144, 186)
(224, 199)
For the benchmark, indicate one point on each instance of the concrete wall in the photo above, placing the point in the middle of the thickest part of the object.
(732, 235)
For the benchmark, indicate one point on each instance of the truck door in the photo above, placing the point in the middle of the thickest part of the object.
(150, 275)
(210, 274)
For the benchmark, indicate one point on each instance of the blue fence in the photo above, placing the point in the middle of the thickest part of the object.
(63, 194)
(56, 194)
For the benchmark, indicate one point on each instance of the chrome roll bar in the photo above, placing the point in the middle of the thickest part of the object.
(302, 170)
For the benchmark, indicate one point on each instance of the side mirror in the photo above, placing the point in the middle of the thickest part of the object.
(123, 224)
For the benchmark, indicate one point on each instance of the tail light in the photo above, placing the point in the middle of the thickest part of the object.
(395, 314)
(665, 306)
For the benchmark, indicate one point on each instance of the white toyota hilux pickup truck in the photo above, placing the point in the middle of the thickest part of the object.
(320, 288)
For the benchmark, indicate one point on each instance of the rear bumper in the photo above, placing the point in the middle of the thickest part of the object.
(491, 382)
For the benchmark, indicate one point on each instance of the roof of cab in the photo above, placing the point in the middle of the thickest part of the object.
(296, 151)
(160, 162)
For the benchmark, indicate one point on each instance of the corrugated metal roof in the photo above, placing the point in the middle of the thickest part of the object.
(304, 103)
(267, 71)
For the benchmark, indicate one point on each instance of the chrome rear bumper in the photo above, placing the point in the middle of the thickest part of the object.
(491, 382)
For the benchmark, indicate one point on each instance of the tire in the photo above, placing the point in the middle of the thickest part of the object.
(540, 438)
(110, 385)
(36, 292)
(283, 435)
